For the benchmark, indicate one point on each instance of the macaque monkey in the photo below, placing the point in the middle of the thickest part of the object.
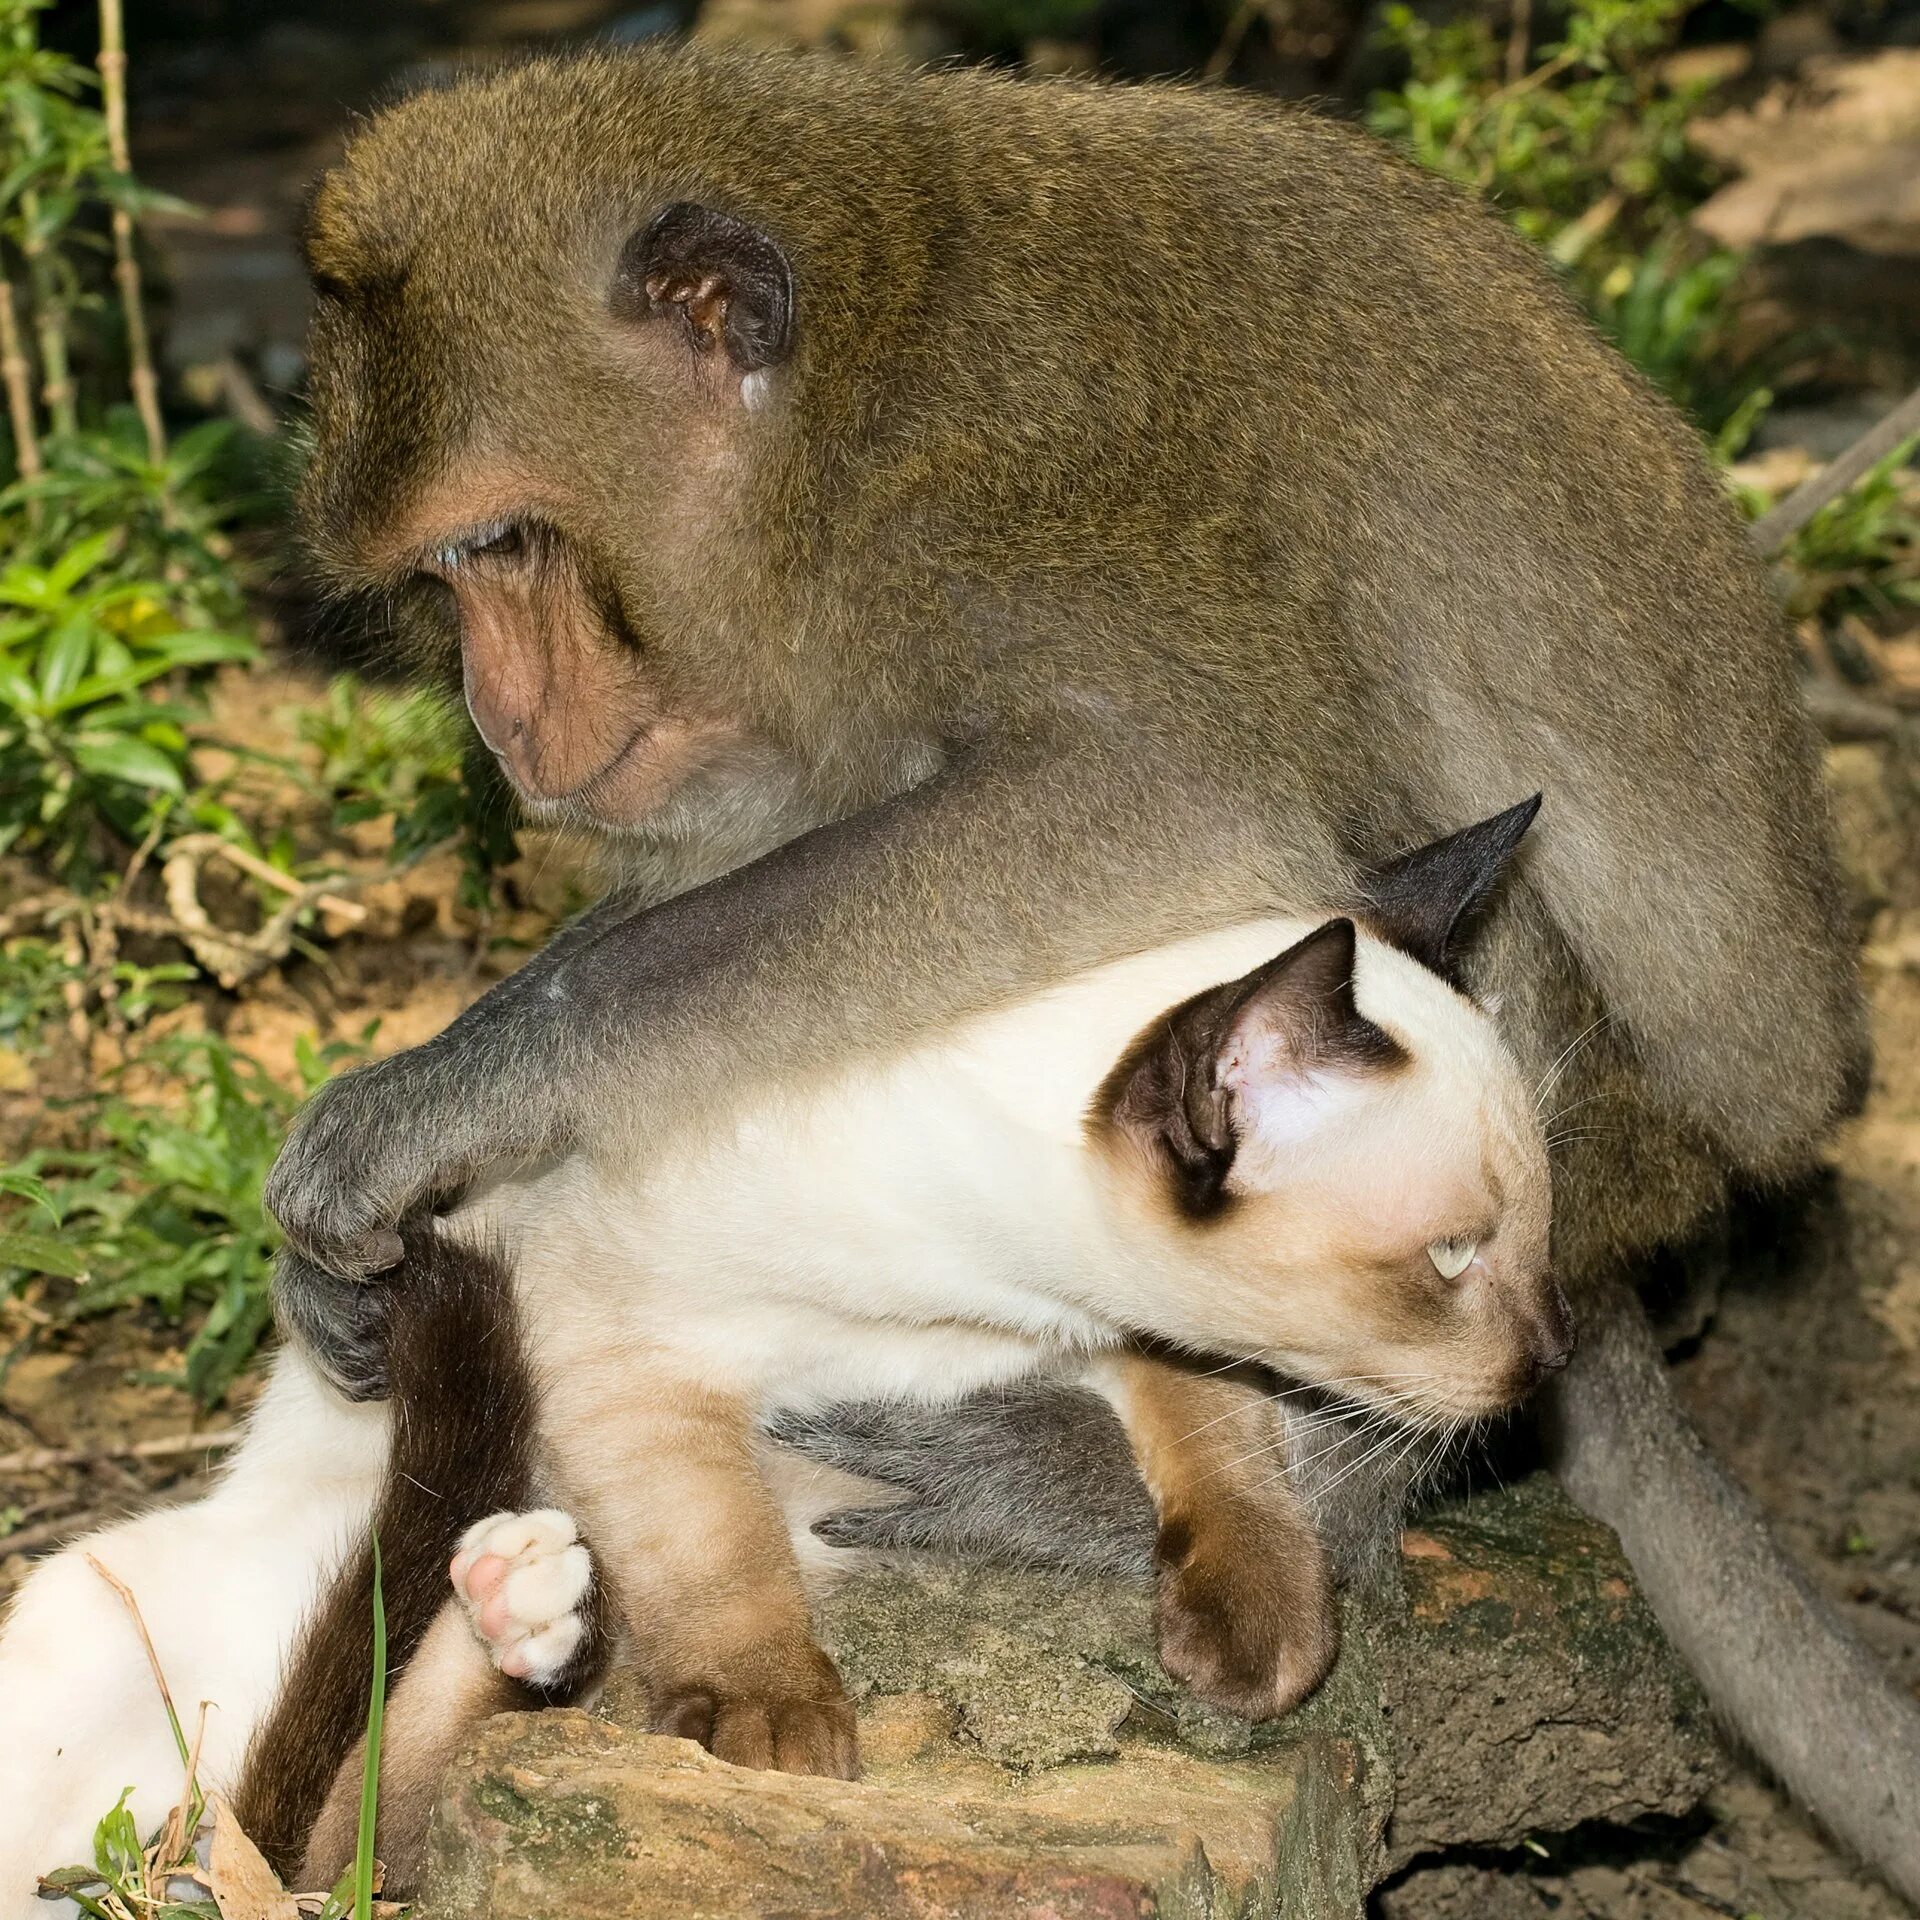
(944, 533)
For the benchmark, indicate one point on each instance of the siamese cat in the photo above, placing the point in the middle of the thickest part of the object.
(1290, 1145)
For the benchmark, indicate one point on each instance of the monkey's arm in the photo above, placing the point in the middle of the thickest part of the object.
(852, 938)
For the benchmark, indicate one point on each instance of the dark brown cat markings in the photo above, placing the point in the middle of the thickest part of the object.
(1018, 524)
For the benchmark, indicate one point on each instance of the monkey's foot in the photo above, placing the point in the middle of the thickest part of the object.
(523, 1579)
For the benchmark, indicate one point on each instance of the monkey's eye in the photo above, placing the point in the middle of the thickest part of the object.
(1451, 1258)
(503, 542)
(499, 540)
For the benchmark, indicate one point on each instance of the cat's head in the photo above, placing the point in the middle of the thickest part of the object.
(1348, 1161)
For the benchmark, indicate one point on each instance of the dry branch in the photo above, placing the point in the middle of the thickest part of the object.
(45, 1459)
(1774, 529)
(126, 262)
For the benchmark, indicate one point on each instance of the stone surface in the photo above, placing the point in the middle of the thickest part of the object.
(1025, 1755)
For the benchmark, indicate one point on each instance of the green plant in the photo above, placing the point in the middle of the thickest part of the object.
(83, 741)
(162, 1203)
(1861, 552)
(1582, 143)
(407, 756)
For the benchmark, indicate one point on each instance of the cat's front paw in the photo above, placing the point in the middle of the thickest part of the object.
(1245, 1632)
(524, 1579)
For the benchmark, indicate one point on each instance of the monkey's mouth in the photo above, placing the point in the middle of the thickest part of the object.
(659, 758)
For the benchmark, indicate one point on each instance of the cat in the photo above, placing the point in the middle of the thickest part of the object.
(1291, 1143)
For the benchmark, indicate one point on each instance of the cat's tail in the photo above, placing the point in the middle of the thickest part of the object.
(464, 1437)
(1782, 1671)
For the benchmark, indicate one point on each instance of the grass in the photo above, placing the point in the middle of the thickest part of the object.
(370, 1775)
(160, 1204)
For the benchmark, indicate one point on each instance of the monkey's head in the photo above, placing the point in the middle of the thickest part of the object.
(557, 365)
(1345, 1162)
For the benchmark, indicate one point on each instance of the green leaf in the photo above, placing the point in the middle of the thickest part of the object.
(133, 761)
(25, 1187)
(41, 1253)
(72, 1879)
(370, 1773)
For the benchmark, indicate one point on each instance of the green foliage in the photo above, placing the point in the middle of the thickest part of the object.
(162, 1205)
(1590, 121)
(126, 1877)
(405, 756)
(1861, 552)
(1583, 146)
(87, 738)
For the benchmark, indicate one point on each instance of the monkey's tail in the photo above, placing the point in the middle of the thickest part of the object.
(1782, 1671)
(464, 1446)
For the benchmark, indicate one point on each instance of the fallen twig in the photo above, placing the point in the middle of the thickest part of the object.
(146, 1639)
(1844, 716)
(43, 1459)
(1775, 528)
(233, 958)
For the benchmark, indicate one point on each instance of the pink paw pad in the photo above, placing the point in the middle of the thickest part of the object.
(522, 1578)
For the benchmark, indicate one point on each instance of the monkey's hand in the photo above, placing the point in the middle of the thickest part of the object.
(370, 1148)
(341, 1324)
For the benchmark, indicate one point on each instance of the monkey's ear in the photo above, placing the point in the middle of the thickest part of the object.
(1425, 901)
(724, 281)
(1262, 1056)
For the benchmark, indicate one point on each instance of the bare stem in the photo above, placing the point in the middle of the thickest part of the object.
(1519, 40)
(17, 374)
(49, 321)
(126, 262)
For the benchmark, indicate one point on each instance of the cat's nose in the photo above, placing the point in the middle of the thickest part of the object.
(1550, 1332)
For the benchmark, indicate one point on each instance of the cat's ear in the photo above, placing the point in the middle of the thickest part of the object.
(1425, 901)
(1267, 1055)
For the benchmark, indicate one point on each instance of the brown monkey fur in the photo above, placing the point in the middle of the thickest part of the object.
(998, 525)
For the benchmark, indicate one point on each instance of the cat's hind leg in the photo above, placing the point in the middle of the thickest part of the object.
(221, 1583)
(523, 1627)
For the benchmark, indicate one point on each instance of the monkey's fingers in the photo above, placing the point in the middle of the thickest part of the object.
(1033, 1474)
(361, 1153)
(340, 1324)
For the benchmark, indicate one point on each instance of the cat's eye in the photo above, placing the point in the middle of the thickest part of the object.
(1451, 1258)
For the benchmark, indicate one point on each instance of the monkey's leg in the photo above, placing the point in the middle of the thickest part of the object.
(694, 1546)
(849, 939)
(1245, 1609)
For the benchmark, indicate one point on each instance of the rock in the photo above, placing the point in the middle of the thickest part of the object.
(1527, 1686)
(1827, 187)
(1837, 154)
(1026, 1755)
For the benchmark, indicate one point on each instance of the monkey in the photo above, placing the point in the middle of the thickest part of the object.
(943, 531)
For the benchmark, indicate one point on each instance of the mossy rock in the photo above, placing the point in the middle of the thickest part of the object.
(1025, 1754)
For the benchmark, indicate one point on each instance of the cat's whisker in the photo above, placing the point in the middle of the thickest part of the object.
(1566, 1057)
